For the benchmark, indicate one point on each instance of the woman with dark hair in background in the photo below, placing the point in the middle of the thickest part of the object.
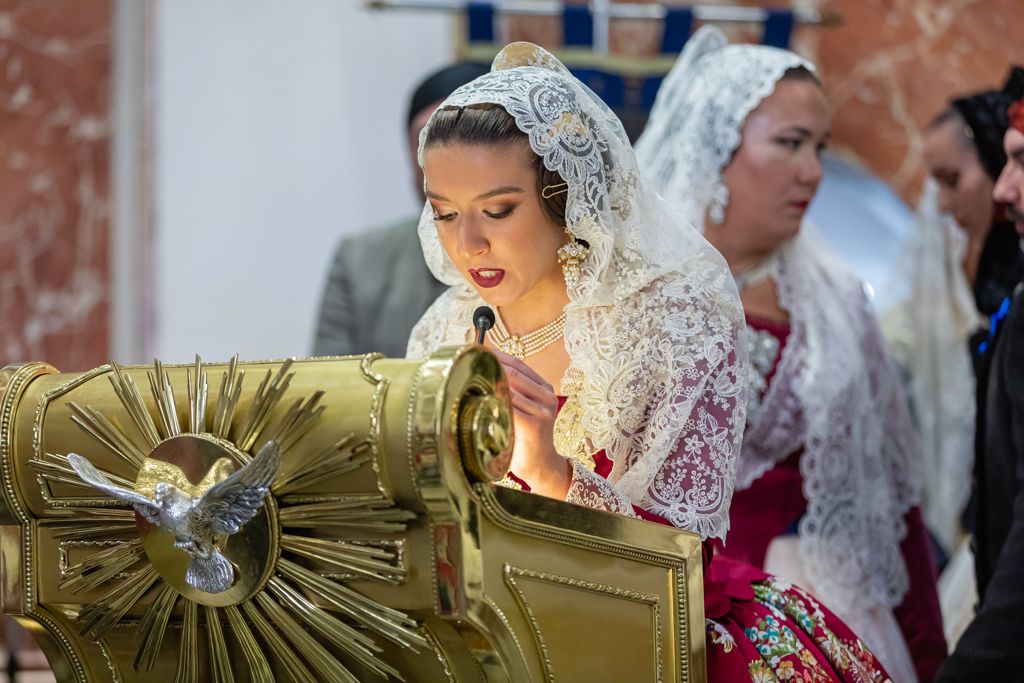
(964, 153)
(959, 264)
(828, 474)
(990, 649)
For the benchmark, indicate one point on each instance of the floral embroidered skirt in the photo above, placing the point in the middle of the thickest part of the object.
(762, 629)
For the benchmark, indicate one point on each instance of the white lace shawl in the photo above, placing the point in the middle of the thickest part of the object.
(657, 373)
(834, 393)
(931, 315)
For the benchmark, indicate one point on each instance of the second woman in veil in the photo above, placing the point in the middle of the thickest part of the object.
(829, 470)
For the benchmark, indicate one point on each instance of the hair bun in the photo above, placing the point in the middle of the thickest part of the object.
(523, 53)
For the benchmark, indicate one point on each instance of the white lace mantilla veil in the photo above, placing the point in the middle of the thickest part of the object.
(834, 390)
(657, 373)
(929, 316)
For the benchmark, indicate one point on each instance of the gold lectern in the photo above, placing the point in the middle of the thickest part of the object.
(378, 547)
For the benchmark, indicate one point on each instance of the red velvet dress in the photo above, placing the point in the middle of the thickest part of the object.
(761, 629)
(773, 505)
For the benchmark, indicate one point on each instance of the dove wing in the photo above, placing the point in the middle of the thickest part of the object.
(229, 504)
(88, 473)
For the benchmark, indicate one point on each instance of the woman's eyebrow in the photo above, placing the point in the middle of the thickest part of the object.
(508, 189)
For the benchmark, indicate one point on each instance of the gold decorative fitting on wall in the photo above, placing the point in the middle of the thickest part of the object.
(317, 519)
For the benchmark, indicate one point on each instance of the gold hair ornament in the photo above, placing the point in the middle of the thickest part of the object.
(549, 191)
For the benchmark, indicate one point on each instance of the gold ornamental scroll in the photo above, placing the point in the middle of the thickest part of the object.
(379, 549)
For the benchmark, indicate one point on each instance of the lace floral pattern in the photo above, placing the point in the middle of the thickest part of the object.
(834, 391)
(657, 375)
(861, 460)
(593, 491)
(661, 393)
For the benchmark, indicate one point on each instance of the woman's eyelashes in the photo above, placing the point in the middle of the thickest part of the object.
(790, 143)
(501, 213)
(496, 215)
(794, 144)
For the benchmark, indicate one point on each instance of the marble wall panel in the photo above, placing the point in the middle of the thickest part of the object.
(55, 78)
(892, 65)
(888, 67)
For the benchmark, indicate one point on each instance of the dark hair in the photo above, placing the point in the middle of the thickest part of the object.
(800, 73)
(983, 119)
(964, 134)
(490, 124)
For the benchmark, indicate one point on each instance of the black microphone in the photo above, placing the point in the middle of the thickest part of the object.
(483, 320)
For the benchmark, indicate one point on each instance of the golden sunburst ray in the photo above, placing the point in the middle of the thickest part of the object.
(390, 623)
(227, 399)
(128, 393)
(188, 662)
(99, 529)
(282, 650)
(101, 566)
(55, 468)
(356, 513)
(295, 422)
(154, 626)
(267, 396)
(103, 614)
(196, 393)
(89, 515)
(163, 395)
(357, 645)
(259, 668)
(76, 524)
(340, 458)
(312, 651)
(220, 665)
(364, 561)
(94, 423)
(356, 640)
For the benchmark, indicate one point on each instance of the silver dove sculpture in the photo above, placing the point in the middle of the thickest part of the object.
(197, 521)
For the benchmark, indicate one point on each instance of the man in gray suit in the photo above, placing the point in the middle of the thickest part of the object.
(379, 285)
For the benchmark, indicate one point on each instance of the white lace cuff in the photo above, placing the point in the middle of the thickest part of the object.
(594, 491)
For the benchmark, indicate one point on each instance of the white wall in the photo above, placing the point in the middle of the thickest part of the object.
(279, 128)
(864, 221)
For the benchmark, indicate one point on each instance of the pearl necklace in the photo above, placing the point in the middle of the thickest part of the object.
(524, 346)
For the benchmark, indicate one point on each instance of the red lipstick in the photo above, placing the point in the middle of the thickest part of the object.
(487, 277)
